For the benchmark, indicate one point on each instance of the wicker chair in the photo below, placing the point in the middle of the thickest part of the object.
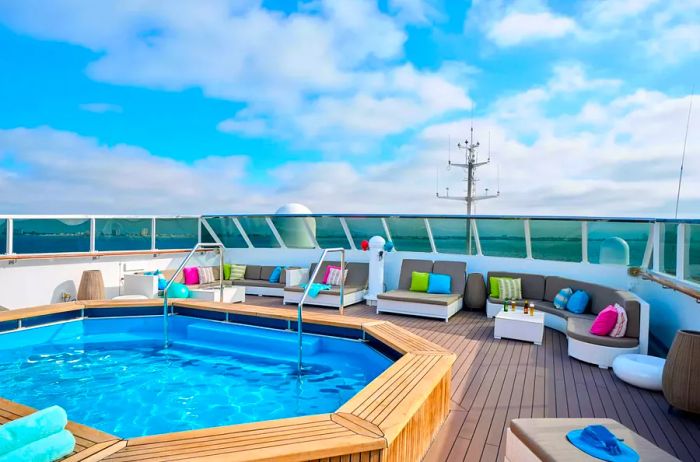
(681, 372)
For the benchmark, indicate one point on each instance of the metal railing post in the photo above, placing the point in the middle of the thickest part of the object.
(312, 278)
(201, 245)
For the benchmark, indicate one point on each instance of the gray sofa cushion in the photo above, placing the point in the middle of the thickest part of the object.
(579, 329)
(419, 297)
(408, 266)
(548, 307)
(266, 272)
(256, 283)
(252, 272)
(334, 290)
(601, 297)
(457, 270)
(532, 284)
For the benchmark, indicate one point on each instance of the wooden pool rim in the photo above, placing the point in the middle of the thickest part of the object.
(393, 419)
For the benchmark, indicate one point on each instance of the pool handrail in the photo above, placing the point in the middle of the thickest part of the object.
(199, 246)
(312, 278)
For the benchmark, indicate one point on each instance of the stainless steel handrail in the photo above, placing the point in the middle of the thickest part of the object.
(201, 245)
(312, 277)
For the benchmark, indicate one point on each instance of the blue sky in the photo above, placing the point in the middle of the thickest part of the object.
(241, 106)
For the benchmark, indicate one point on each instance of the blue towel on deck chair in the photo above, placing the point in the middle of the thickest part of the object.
(48, 449)
(32, 427)
(316, 287)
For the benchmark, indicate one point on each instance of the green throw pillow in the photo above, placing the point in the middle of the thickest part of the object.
(510, 289)
(227, 271)
(493, 284)
(237, 272)
(419, 282)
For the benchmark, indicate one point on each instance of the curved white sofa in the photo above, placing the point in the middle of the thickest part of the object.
(583, 345)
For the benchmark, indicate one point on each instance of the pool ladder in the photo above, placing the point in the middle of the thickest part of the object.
(312, 278)
(195, 249)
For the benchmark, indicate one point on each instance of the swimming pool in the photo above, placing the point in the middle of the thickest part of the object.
(114, 374)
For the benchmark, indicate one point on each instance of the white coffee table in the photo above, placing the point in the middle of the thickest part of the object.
(232, 294)
(519, 326)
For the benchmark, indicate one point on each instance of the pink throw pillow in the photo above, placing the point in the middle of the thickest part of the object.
(191, 275)
(605, 321)
(620, 328)
(328, 272)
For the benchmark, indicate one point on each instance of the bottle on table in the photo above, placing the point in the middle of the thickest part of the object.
(505, 305)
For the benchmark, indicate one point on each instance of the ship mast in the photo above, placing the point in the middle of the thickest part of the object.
(470, 165)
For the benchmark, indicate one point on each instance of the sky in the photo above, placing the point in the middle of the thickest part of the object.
(241, 106)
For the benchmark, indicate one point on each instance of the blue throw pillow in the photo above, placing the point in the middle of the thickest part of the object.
(162, 283)
(152, 273)
(578, 302)
(439, 283)
(276, 274)
(562, 298)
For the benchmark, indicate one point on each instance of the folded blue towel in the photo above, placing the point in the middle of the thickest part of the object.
(33, 427)
(316, 287)
(48, 449)
(599, 442)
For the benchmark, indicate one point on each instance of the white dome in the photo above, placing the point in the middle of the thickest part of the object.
(293, 209)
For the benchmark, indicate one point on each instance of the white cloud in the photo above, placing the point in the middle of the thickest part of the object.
(517, 28)
(421, 12)
(329, 54)
(627, 166)
(53, 171)
(100, 108)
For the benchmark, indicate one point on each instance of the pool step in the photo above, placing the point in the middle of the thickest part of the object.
(252, 339)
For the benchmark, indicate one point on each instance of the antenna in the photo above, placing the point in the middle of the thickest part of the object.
(685, 143)
(470, 165)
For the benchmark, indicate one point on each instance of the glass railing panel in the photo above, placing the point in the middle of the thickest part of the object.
(49, 235)
(122, 234)
(610, 242)
(669, 242)
(409, 234)
(3, 236)
(556, 240)
(330, 233)
(694, 253)
(176, 233)
(226, 230)
(502, 238)
(258, 232)
(294, 232)
(364, 228)
(450, 235)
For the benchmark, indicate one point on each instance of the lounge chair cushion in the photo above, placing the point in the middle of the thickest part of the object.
(252, 272)
(420, 297)
(334, 290)
(546, 438)
(457, 270)
(256, 283)
(532, 284)
(579, 328)
(408, 266)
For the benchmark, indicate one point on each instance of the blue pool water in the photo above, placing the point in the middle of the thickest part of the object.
(115, 375)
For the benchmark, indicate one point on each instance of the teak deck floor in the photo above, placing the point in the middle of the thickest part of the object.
(494, 381)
